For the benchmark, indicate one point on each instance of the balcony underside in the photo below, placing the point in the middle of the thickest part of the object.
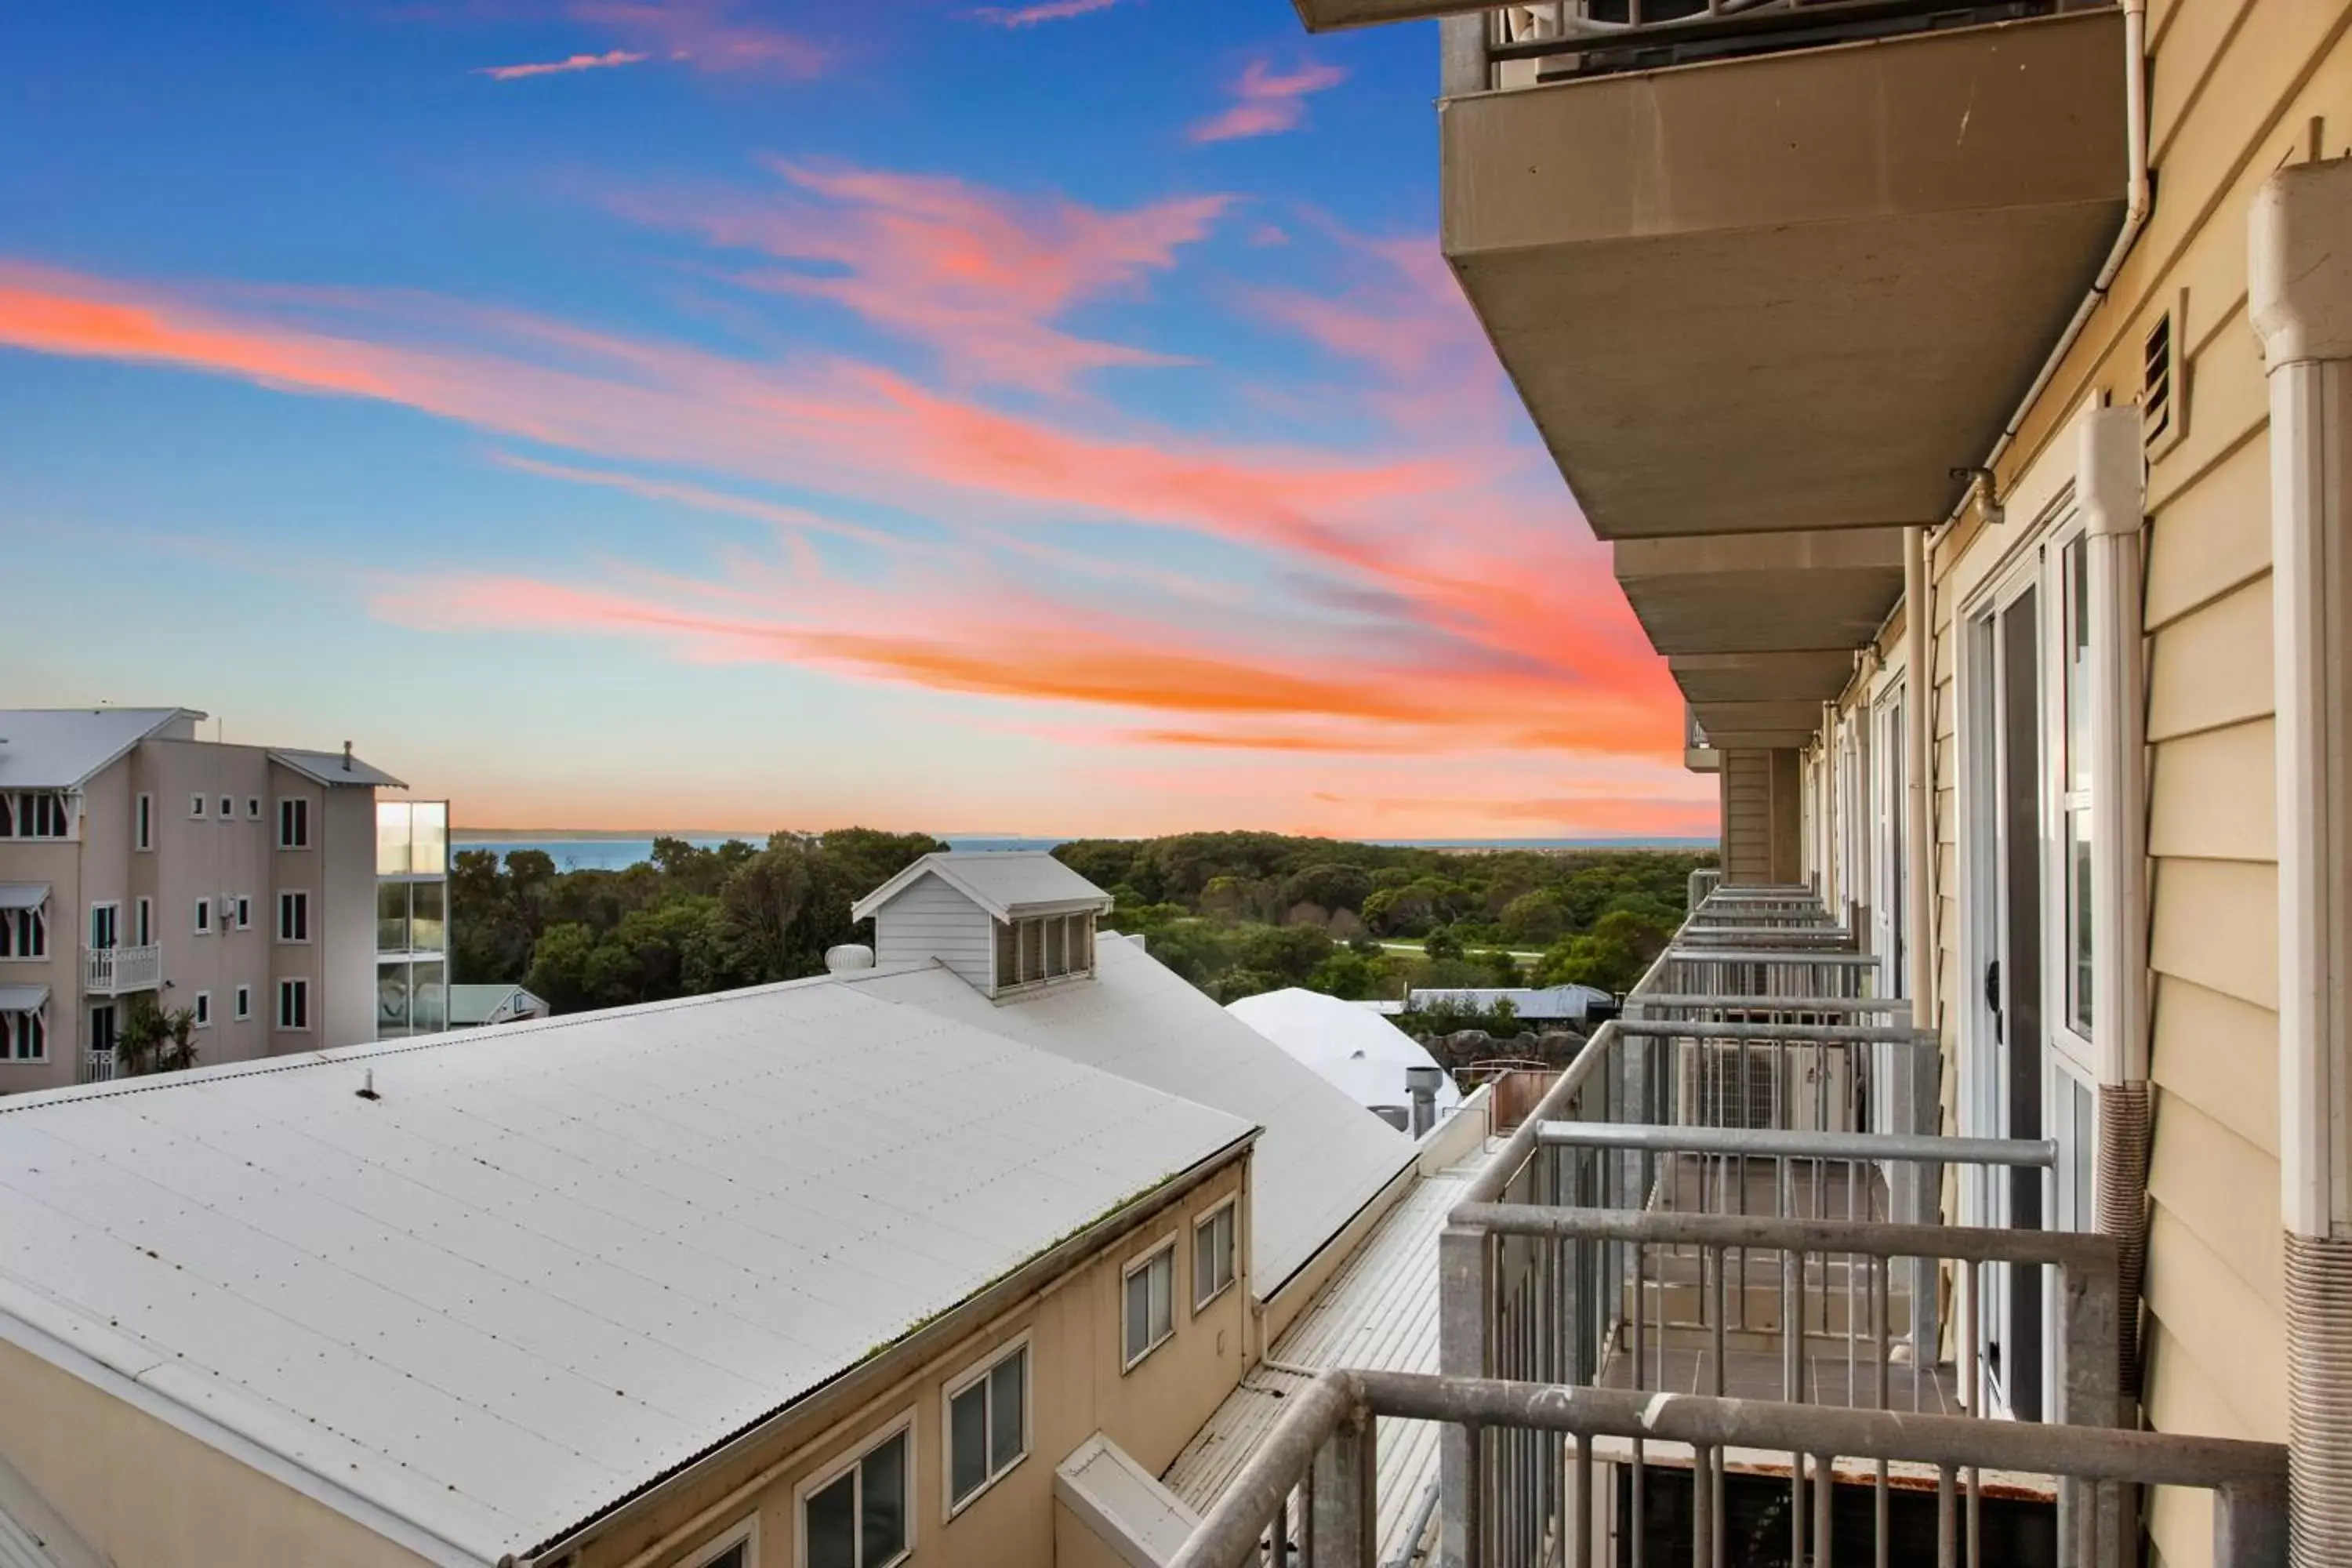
(1789, 291)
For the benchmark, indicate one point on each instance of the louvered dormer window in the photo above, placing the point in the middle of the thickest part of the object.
(1033, 951)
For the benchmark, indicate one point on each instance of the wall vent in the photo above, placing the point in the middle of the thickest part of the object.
(2162, 386)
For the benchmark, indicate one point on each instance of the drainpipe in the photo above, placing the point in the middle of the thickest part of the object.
(2299, 299)
(1918, 824)
(2110, 485)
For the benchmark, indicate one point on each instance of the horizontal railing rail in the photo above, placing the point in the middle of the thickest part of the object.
(1318, 1457)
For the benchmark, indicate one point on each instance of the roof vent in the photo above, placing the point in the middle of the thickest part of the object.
(347, 756)
(848, 958)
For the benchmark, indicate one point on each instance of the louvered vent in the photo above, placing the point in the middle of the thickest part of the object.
(2160, 379)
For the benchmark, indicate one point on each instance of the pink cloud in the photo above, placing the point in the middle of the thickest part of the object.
(978, 277)
(706, 35)
(605, 61)
(1045, 11)
(1266, 102)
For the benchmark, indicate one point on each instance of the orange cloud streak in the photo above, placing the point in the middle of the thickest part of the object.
(1267, 102)
(608, 60)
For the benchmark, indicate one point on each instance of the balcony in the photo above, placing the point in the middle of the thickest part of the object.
(1834, 271)
(1697, 1307)
(119, 971)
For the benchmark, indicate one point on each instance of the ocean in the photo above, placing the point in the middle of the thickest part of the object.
(575, 853)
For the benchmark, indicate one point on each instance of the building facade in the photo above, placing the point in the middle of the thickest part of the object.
(142, 864)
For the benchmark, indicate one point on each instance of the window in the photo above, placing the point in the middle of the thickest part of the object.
(242, 1007)
(293, 1004)
(293, 823)
(196, 805)
(228, 808)
(203, 1008)
(2074, 787)
(24, 932)
(24, 1036)
(204, 917)
(102, 1034)
(35, 814)
(738, 1548)
(988, 1425)
(253, 808)
(856, 1516)
(244, 912)
(142, 823)
(1150, 1304)
(105, 923)
(1213, 1255)
(293, 917)
(143, 921)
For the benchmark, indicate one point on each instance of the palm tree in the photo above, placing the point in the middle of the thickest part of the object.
(154, 1040)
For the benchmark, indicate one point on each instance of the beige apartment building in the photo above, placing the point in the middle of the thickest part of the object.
(264, 890)
(1963, 389)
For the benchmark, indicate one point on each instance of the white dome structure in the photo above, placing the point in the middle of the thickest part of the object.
(1347, 1044)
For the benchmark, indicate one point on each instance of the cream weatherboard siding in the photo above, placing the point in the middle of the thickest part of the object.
(930, 919)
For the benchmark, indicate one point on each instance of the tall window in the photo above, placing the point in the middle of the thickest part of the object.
(24, 1036)
(1150, 1304)
(988, 1425)
(1212, 1256)
(293, 1004)
(143, 920)
(196, 805)
(857, 1519)
(142, 826)
(293, 917)
(24, 933)
(105, 924)
(204, 917)
(203, 1008)
(35, 814)
(293, 823)
(2074, 801)
(243, 1005)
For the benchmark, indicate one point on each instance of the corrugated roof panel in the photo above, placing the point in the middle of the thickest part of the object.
(549, 1263)
(58, 748)
(1005, 882)
(1322, 1157)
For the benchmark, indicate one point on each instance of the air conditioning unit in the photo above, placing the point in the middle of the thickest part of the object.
(1799, 1087)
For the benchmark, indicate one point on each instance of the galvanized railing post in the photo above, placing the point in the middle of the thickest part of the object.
(1344, 1530)
(1464, 1293)
(2250, 1527)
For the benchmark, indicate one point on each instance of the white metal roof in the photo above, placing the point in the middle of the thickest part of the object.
(1007, 883)
(1350, 1046)
(334, 769)
(1548, 1002)
(1320, 1159)
(23, 998)
(556, 1260)
(58, 748)
(470, 1005)
(22, 895)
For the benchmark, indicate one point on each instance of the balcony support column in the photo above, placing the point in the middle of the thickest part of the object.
(2111, 487)
(2300, 303)
(1919, 779)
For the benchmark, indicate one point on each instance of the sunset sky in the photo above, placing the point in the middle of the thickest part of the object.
(1044, 418)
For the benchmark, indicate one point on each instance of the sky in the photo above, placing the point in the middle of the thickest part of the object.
(1052, 417)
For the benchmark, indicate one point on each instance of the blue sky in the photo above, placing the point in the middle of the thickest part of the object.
(619, 414)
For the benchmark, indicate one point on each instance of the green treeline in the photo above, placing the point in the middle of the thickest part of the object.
(1234, 913)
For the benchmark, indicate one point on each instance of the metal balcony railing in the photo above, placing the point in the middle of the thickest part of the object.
(112, 971)
(1520, 45)
(97, 1066)
(1308, 1496)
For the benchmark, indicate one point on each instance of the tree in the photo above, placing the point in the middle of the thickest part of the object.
(1443, 943)
(1535, 920)
(1344, 973)
(1501, 967)
(154, 1040)
(1612, 956)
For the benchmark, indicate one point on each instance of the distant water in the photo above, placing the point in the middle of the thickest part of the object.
(617, 854)
(575, 854)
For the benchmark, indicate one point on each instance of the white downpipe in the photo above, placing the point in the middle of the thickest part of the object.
(2111, 487)
(1918, 743)
(2299, 299)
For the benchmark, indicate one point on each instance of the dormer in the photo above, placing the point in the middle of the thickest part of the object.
(1008, 921)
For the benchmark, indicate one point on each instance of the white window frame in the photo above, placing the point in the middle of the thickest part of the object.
(19, 922)
(253, 808)
(143, 824)
(243, 911)
(228, 808)
(90, 930)
(143, 920)
(301, 898)
(197, 806)
(241, 1007)
(1165, 1243)
(202, 1006)
(744, 1533)
(293, 810)
(1233, 1255)
(204, 917)
(1020, 1345)
(904, 1423)
(293, 985)
(8, 1035)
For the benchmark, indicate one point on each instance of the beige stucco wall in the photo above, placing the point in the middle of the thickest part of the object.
(149, 1496)
(1076, 1389)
